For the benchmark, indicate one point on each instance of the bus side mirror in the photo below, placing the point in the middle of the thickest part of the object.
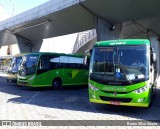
(87, 52)
(153, 57)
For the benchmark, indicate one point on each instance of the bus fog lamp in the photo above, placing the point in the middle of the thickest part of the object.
(93, 87)
(141, 100)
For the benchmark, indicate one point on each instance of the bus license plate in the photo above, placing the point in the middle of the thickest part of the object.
(115, 103)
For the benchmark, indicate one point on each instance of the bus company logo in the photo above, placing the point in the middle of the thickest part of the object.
(115, 89)
(57, 72)
(73, 73)
(118, 43)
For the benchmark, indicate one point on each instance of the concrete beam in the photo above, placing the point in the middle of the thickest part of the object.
(155, 43)
(25, 45)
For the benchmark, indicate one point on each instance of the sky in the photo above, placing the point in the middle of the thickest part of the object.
(10, 8)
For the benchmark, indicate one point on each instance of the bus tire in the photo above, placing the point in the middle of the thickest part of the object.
(57, 84)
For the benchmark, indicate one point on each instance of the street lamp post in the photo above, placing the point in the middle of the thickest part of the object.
(10, 46)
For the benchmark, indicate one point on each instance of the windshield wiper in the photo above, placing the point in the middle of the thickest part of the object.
(109, 67)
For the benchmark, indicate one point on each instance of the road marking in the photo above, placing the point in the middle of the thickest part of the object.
(28, 101)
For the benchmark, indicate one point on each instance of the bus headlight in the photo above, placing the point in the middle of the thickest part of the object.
(93, 87)
(141, 90)
(31, 78)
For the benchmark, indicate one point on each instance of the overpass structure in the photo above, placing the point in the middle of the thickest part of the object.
(111, 19)
(51, 19)
(85, 40)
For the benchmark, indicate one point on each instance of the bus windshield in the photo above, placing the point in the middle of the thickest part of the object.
(14, 64)
(119, 65)
(28, 65)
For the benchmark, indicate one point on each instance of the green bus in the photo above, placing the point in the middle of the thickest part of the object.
(52, 69)
(123, 72)
(13, 68)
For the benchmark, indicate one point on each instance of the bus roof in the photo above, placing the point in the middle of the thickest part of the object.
(50, 53)
(124, 42)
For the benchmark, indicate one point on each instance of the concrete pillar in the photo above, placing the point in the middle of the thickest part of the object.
(36, 45)
(155, 43)
(158, 81)
(106, 31)
(26, 45)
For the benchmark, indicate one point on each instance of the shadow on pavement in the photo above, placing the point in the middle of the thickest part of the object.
(75, 99)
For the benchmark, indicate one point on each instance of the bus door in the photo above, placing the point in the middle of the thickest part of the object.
(45, 73)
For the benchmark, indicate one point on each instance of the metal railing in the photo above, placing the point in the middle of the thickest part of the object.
(83, 38)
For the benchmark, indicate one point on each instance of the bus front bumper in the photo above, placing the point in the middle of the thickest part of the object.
(120, 103)
(129, 99)
(26, 81)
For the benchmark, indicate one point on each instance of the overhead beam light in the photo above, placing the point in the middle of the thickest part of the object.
(28, 27)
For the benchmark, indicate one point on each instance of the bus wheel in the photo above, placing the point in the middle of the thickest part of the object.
(57, 84)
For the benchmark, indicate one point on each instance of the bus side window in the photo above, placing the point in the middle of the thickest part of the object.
(79, 66)
(72, 65)
(64, 62)
(40, 66)
(56, 65)
(64, 65)
(55, 62)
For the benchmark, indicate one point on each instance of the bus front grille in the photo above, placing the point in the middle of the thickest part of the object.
(126, 100)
